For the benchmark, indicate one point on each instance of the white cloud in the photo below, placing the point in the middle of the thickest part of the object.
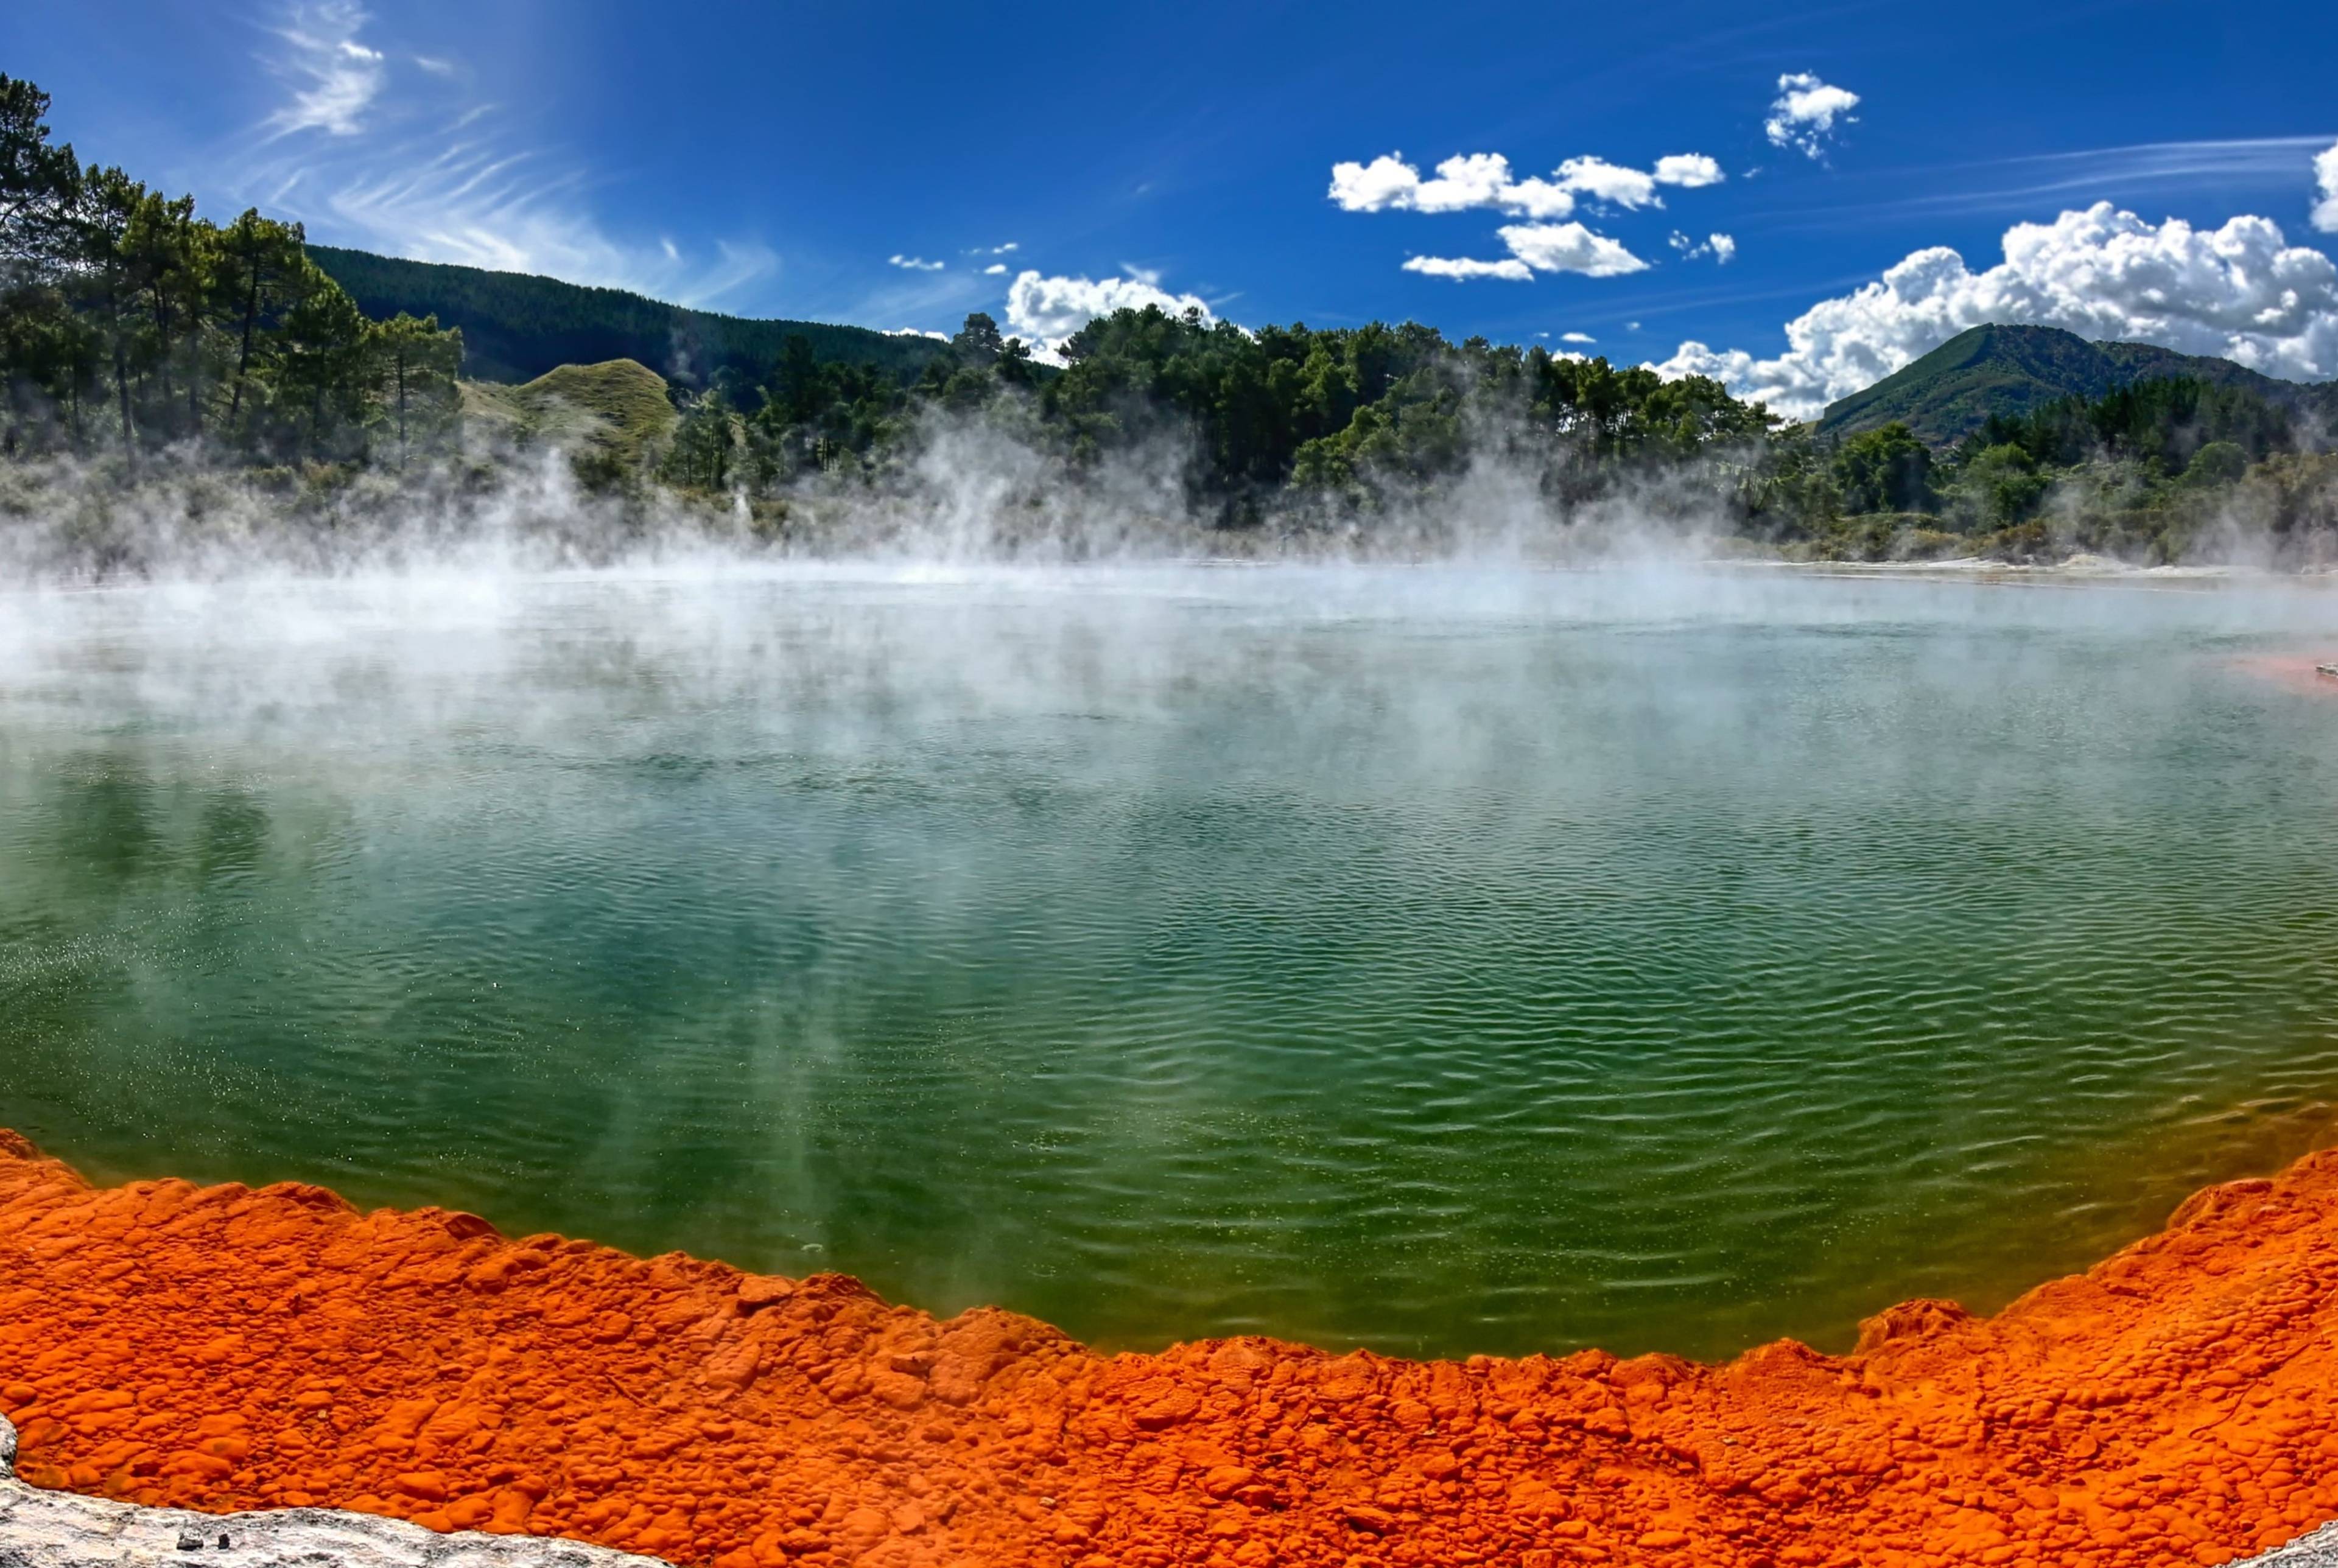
(335, 78)
(1569, 247)
(995, 269)
(2326, 177)
(1576, 337)
(1046, 310)
(1537, 198)
(913, 264)
(1462, 269)
(1689, 170)
(1463, 181)
(1604, 181)
(1537, 247)
(1720, 246)
(1805, 112)
(422, 172)
(1472, 180)
(2240, 292)
(917, 332)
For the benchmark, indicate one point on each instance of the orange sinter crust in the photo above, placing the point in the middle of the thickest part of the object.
(223, 1348)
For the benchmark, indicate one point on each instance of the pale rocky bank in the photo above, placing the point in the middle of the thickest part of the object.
(62, 1530)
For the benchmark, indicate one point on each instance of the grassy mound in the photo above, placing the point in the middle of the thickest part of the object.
(617, 409)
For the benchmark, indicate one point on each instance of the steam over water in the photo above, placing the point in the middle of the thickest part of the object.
(1439, 961)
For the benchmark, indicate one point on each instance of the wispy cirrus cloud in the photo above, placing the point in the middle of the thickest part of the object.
(2138, 175)
(388, 151)
(334, 78)
(2100, 172)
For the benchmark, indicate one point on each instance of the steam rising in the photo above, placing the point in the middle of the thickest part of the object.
(965, 487)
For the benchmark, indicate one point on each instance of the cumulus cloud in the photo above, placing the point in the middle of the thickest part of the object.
(1689, 170)
(1610, 182)
(917, 332)
(1462, 269)
(1537, 248)
(335, 78)
(995, 269)
(1805, 114)
(2325, 179)
(2241, 292)
(913, 263)
(1720, 246)
(1466, 180)
(1569, 247)
(1576, 337)
(1046, 310)
(1485, 181)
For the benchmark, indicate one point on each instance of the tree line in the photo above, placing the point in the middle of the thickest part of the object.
(129, 324)
(2143, 472)
(1275, 422)
(1262, 419)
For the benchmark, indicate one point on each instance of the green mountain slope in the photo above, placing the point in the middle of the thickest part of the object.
(516, 328)
(1950, 392)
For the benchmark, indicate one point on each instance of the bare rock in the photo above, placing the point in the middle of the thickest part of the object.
(2319, 1550)
(62, 1530)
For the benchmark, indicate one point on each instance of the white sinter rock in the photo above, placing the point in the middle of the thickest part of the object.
(62, 1530)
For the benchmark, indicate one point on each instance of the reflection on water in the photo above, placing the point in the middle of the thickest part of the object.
(1441, 962)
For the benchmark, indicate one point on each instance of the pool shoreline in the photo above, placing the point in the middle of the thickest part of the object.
(223, 1348)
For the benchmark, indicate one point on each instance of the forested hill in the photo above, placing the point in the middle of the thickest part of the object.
(516, 328)
(2009, 371)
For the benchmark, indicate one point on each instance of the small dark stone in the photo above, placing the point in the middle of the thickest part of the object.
(190, 1542)
(223, 1543)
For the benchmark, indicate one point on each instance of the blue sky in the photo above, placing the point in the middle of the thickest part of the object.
(818, 161)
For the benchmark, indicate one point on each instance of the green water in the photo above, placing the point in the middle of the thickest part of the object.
(1444, 961)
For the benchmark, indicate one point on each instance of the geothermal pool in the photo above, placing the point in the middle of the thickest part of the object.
(1434, 960)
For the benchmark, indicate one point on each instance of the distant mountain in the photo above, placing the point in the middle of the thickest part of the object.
(517, 328)
(1948, 393)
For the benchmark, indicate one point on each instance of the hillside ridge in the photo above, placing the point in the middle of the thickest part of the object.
(517, 325)
(2009, 369)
